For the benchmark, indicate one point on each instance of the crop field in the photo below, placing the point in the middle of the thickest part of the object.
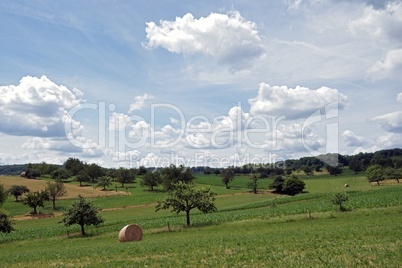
(248, 230)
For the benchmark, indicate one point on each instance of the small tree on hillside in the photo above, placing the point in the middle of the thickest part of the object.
(74, 166)
(5, 223)
(36, 199)
(151, 180)
(32, 173)
(82, 212)
(277, 184)
(184, 197)
(374, 173)
(104, 182)
(173, 175)
(81, 177)
(253, 183)
(227, 176)
(338, 200)
(55, 190)
(18, 190)
(125, 176)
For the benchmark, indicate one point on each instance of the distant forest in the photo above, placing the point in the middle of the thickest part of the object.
(359, 162)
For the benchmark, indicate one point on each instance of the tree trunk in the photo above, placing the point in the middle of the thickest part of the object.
(80, 183)
(152, 187)
(82, 230)
(227, 185)
(188, 217)
(54, 203)
(378, 183)
(35, 212)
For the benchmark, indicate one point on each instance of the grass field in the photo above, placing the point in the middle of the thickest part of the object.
(249, 230)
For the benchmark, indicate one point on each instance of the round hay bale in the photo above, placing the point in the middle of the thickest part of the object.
(131, 232)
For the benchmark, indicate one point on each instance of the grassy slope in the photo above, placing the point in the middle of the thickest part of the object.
(243, 232)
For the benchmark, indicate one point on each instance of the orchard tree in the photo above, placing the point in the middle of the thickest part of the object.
(173, 175)
(338, 200)
(55, 190)
(334, 170)
(82, 212)
(151, 180)
(104, 182)
(81, 177)
(94, 172)
(18, 190)
(74, 166)
(184, 197)
(60, 174)
(125, 175)
(36, 199)
(374, 173)
(227, 176)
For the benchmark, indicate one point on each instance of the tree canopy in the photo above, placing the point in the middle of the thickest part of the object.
(184, 197)
(151, 180)
(17, 191)
(55, 190)
(374, 173)
(82, 212)
(36, 199)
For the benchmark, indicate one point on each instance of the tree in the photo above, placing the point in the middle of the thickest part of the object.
(227, 176)
(18, 190)
(142, 170)
(355, 165)
(307, 169)
(293, 185)
(82, 212)
(55, 190)
(184, 197)
(5, 223)
(3, 194)
(125, 176)
(94, 171)
(73, 166)
(81, 177)
(277, 184)
(338, 199)
(36, 199)
(392, 173)
(374, 173)
(104, 182)
(173, 175)
(334, 170)
(60, 174)
(253, 183)
(32, 173)
(151, 179)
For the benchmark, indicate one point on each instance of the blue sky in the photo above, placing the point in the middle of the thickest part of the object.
(129, 83)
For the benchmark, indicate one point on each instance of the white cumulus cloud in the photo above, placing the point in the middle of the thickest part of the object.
(389, 66)
(351, 139)
(36, 107)
(390, 122)
(294, 102)
(230, 38)
(139, 102)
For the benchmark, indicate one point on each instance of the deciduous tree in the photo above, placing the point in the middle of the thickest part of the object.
(17, 191)
(227, 176)
(374, 173)
(172, 175)
(338, 199)
(184, 197)
(253, 183)
(151, 180)
(82, 212)
(124, 176)
(36, 199)
(104, 182)
(55, 190)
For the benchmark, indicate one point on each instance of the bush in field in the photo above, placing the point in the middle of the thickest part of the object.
(82, 212)
(17, 191)
(253, 183)
(338, 200)
(293, 185)
(3, 194)
(5, 223)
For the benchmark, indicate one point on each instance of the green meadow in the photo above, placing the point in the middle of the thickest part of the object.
(248, 230)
